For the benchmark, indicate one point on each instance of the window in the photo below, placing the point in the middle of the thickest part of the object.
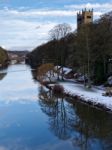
(89, 17)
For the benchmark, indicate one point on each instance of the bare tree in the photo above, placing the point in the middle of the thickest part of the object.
(45, 71)
(59, 32)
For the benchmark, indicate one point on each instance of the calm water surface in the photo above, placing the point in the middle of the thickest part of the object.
(32, 118)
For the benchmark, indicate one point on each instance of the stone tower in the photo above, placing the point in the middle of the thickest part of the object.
(84, 17)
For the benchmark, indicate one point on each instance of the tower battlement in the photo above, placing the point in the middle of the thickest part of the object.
(84, 17)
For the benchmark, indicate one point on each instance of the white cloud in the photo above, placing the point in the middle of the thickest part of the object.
(29, 27)
(36, 13)
(103, 6)
(25, 28)
(45, 13)
(21, 33)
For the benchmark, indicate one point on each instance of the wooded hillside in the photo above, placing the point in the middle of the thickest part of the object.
(88, 50)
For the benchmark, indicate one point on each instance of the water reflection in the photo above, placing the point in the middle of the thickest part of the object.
(3, 73)
(34, 75)
(86, 127)
(32, 118)
(54, 107)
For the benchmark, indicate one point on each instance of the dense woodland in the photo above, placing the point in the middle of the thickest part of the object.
(87, 50)
(3, 57)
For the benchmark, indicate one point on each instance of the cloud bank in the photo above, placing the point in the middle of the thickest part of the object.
(28, 27)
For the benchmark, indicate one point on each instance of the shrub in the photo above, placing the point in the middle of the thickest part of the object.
(45, 71)
(108, 91)
(58, 89)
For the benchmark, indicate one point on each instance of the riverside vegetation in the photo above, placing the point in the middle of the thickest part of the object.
(3, 57)
(87, 51)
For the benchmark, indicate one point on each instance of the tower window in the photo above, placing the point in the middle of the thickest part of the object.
(89, 17)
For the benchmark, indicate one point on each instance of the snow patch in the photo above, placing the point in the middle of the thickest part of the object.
(93, 95)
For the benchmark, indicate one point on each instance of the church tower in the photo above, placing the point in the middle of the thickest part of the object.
(84, 17)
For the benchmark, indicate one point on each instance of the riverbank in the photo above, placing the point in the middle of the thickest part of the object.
(40, 119)
(4, 60)
(93, 96)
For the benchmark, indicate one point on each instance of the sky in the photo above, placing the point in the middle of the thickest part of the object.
(24, 24)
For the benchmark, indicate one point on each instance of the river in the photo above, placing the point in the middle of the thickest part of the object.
(32, 118)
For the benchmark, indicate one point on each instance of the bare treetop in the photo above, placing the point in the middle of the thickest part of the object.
(59, 31)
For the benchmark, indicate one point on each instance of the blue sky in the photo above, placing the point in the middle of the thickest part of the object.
(24, 24)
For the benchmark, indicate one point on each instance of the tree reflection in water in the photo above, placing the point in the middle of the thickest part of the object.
(2, 75)
(34, 74)
(87, 128)
(54, 107)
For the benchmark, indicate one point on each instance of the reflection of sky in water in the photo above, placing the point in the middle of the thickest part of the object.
(23, 127)
(25, 124)
(18, 85)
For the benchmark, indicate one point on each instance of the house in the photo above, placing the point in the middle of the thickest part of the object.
(68, 73)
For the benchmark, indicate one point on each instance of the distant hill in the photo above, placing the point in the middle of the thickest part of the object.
(17, 56)
(3, 57)
(19, 53)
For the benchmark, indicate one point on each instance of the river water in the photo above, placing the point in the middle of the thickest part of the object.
(32, 118)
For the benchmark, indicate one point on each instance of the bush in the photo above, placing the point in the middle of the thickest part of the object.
(108, 91)
(58, 89)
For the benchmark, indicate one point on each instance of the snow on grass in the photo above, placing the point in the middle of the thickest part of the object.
(66, 70)
(93, 95)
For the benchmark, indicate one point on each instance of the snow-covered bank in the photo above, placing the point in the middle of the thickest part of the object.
(93, 95)
(74, 87)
